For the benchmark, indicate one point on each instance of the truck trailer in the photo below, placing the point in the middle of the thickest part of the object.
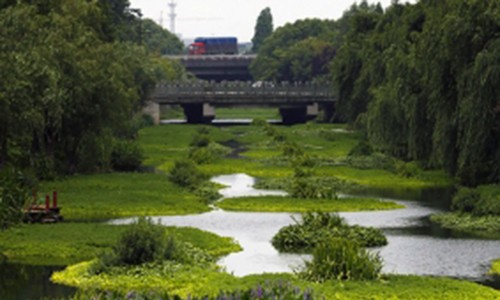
(214, 45)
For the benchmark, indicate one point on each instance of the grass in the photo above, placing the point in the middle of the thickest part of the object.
(200, 282)
(67, 243)
(115, 195)
(495, 267)
(288, 204)
(486, 226)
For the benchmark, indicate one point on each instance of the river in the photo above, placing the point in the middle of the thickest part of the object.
(415, 246)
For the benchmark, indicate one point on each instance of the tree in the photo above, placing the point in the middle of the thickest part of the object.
(263, 28)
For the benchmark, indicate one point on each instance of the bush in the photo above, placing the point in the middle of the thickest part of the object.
(200, 140)
(126, 156)
(341, 259)
(410, 169)
(316, 228)
(363, 148)
(15, 190)
(185, 173)
(303, 185)
(143, 242)
(465, 200)
(209, 153)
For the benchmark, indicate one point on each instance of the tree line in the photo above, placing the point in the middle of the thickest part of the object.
(422, 80)
(74, 75)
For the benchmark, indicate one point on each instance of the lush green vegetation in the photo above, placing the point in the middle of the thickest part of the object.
(212, 282)
(495, 267)
(474, 211)
(114, 195)
(263, 28)
(314, 229)
(341, 259)
(68, 243)
(288, 204)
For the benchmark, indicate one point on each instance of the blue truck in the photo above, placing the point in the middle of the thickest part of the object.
(214, 45)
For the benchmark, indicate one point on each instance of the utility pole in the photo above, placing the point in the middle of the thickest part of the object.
(172, 15)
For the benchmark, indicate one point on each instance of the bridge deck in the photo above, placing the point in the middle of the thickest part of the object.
(242, 93)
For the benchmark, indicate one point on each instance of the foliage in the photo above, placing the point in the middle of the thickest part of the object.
(263, 28)
(115, 195)
(482, 201)
(288, 204)
(15, 188)
(495, 268)
(316, 228)
(419, 97)
(69, 243)
(158, 40)
(295, 52)
(70, 84)
(143, 242)
(126, 156)
(266, 291)
(363, 148)
(484, 226)
(341, 259)
(184, 173)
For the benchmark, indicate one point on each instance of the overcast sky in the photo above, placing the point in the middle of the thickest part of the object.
(237, 17)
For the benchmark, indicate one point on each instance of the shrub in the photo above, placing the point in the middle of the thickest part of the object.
(465, 200)
(200, 140)
(209, 153)
(14, 195)
(185, 173)
(143, 242)
(315, 228)
(126, 156)
(341, 259)
(363, 148)
(410, 169)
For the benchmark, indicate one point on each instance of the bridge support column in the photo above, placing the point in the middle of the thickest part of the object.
(299, 113)
(328, 110)
(152, 109)
(199, 113)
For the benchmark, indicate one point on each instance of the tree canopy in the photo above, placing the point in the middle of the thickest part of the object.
(263, 28)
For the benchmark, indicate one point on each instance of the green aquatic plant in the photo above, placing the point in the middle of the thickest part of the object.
(341, 259)
(315, 228)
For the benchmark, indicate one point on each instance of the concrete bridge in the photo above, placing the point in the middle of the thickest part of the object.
(297, 103)
(217, 67)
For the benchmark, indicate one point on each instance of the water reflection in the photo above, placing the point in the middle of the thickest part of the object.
(414, 246)
(24, 282)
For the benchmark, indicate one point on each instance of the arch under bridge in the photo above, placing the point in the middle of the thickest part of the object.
(297, 102)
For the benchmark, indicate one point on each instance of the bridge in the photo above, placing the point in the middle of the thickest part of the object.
(217, 67)
(297, 103)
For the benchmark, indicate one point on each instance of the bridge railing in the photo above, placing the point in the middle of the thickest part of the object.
(244, 88)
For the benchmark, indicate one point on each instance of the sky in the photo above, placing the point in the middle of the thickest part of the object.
(238, 17)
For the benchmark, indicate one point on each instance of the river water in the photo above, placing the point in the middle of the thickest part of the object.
(415, 246)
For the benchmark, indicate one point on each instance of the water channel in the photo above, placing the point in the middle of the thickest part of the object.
(415, 246)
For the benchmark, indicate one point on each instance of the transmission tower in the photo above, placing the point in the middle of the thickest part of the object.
(172, 15)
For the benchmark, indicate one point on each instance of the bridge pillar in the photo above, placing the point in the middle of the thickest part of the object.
(197, 113)
(294, 114)
(152, 109)
(328, 111)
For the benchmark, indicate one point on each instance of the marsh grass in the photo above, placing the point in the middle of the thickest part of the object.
(198, 282)
(316, 228)
(67, 243)
(115, 195)
(495, 268)
(341, 259)
(289, 204)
